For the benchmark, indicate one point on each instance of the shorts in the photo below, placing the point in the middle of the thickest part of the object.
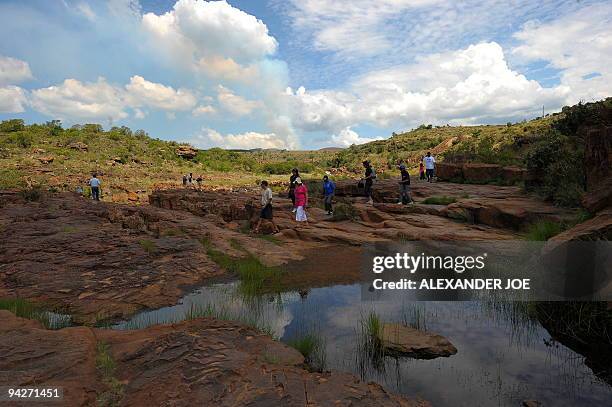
(266, 212)
(300, 214)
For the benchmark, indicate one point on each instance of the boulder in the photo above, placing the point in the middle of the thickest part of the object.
(406, 341)
(186, 152)
(597, 228)
(599, 197)
(513, 174)
(77, 145)
(46, 160)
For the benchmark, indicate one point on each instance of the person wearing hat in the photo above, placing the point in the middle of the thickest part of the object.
(301, 201)
(328, 191)
(370, 176)
(404, 184)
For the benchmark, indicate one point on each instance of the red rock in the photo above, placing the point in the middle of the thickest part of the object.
(513, 174)
(186, 152)
(481, 173)
(403, 340)
(449, 171)
(46, 160)
(597, 228)
(599, 197)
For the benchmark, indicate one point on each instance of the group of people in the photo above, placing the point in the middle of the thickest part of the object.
(298, 192)
(188, 180)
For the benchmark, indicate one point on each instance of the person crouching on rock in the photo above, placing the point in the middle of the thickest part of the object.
(94, 183)
(294, 175)
(404, 184)
(266, 207)
(301, 201)
(328, 191)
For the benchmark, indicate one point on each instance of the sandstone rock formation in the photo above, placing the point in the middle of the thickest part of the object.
(186, 152)
(405, 341)
(199, 362)
(479, 173)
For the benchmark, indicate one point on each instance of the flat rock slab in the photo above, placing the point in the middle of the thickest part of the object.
(405, 341)
(199, 362)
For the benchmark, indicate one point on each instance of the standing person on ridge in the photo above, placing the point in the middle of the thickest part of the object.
(430, 165)
(94, 183)
(301, 201)
(329, 188)
(266, 207)
(421, 171)
(294, 175)
(404, 183)
(370, 176)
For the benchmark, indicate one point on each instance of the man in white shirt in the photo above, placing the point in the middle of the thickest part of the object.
(94, 183)
(266, 207)
(430, 165)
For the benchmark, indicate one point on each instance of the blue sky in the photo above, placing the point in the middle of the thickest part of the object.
(298, 74)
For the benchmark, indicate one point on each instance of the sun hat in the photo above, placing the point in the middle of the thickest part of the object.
(298, 180)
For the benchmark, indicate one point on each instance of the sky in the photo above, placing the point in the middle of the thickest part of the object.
(298, 74)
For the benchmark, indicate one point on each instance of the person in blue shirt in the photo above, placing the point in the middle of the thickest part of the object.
(94, 183)
(329, 188)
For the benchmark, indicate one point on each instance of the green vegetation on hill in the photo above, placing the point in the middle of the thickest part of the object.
(50, 155)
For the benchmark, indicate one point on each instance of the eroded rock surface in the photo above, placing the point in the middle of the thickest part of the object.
(198, 362)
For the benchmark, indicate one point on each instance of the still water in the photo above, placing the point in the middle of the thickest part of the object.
(504, 357)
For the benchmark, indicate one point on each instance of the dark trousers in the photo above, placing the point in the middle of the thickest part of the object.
(95, 193)
(328, 202)
(430, 174)
(292, 196)
(368, 189)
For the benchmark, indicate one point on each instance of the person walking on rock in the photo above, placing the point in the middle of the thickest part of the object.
(266, 207)
(329, 188)
(430, 165)
(404, 184)
(301, 201)
(94, 183)
(370, 176)
(421, 171)
(294, 175)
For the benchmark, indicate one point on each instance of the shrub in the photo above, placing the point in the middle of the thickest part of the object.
(33, 194)
(543, 230)
(9, 126)
(556, 164)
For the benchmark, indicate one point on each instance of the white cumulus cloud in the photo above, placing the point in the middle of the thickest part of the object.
(579, 45)
(75, 100)
(249, 140)
(196, 29)
(141, 92)
(235, 104)
(13, 70)
(347, 137)
(12, 99)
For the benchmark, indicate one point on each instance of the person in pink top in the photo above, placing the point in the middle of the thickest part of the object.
(301, 201)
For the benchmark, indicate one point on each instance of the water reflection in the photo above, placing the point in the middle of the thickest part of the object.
(504, 357)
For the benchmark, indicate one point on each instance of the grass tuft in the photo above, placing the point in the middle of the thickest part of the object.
(543, 230)
(312, 346)
(25, 309)
(106, 366)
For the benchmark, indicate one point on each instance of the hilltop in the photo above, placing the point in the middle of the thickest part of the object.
(132, 162)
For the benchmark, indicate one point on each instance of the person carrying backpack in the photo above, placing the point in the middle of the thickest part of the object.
(329, 188)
